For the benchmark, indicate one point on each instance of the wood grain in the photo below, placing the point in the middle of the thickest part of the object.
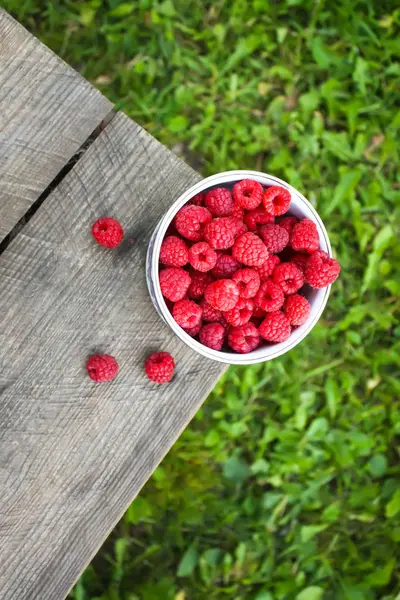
(47, 111)
(73, 453)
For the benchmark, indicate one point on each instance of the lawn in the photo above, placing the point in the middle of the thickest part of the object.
(286, 486)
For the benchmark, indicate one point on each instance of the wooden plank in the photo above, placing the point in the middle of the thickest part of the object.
(73, 453)
(47, 111)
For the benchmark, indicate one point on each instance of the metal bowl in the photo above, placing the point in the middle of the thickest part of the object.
(299, 207)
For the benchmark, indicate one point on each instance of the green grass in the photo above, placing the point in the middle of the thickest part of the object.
(287, 484)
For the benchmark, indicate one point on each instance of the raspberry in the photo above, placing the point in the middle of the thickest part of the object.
(107, 232)
(102, 367)
(296, 309)
(289, 277)
(239, 227)
(174, 252)
(187, 313)
(210, 314)
(276, 200)
(321, 269)
(174, 283)
(219, 202)
(248, 193)
(198, 199)
(258, 313)
(275, 327)
(305, 236)
(276, 238)
(225, 266)
(222, 294)
(288, 223)
(244, 339)
(248, 282)
(220, 233)
(193, 331)
(199, 283)
(237, 211)
(202, 257)
(268, 266)
(191, 220)
(212, 335)
(250, 250)
(300, 260)
(159, 367)
(270, 296)
(258, 216)
(241, 313)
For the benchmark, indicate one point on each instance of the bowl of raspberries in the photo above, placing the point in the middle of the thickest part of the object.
(240, 267)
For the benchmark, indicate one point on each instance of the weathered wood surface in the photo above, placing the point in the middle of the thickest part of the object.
(73, 453)
(47, 111)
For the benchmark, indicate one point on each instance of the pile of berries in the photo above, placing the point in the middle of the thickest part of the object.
(233, 268)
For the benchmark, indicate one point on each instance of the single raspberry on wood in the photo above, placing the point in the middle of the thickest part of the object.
(268, 266)
(219, 202)
(199, 283)
(304, 236)
(202, 257)
(198, 199)
(258, 216)
(250, 250)
(289, 277)
(191, 221)
(174, 283)
(270, 296)
(211, 314)
(248, 193)
(288, 223)
(300, 260)
(276, 200)
(296, 309)
(248, 282)
(220, 233)
(275, 327)
(159, 367)
(244, 338)
(174, 252)
(241, 313)
(225, 266)
(212, 335)
(275, 238)
(222, 294)
(107, 232)
(102, 367)
(187, 313)
(321, 269)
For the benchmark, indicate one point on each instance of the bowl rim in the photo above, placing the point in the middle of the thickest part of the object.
(224, 178)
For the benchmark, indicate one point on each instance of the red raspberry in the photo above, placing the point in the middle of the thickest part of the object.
(275, 327)
(225, 266)
(222, 294)
(289, 277)
(276, 238)
(219, 202)
(270, 296)
(159, 367)
(248, 193)
(258, 216)
(243, 339)
(198, 199)
(300, 260)
(258, 313)
(268, 266)
(202, 257)
(193, 331)
(250, 250)
(210, 314)
(305, 236)
(248, 282)
(321, 270)
(296, 309)
(212, 335)
(174, 252)
(276, 200)
(187, 313)
(241, 313)
(102, 367)
(174, 283)
(220, 233)
(191, 220)
(107, 232)
(199, 283)
(239, 227)
(238, 212)
(288, 223)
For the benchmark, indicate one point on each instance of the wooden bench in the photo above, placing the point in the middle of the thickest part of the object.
(73, 454)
